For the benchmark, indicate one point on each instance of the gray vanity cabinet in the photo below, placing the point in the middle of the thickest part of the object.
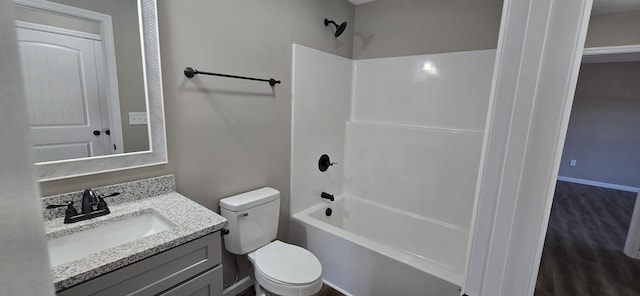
(208, 283)
(190, 269)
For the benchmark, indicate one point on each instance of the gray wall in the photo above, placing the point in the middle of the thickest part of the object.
(24, 264)
(603, 135)
(229, 136)
(124, 15)
(620, 28)
(386, 28)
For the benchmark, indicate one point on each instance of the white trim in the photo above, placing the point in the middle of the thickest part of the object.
(590, 51)
(611, 54)
(113, 90)
(57, 30)
(343, 292)
(539, 52)
(155, 109)
(238, 287)
(479, 238)
(62, 9)
(598, 184)
(632, 244)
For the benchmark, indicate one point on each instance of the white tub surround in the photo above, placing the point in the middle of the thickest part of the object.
(188, 221)
(321, 106)
(446, 91)
(415, 136)
(412, 146)
(422, 171)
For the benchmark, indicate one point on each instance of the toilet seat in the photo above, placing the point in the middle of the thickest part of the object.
(287, 269)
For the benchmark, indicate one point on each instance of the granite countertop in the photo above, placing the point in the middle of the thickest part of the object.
(190, 221)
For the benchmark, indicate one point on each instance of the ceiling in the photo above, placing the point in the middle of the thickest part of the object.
(599, 6)
(606, 6)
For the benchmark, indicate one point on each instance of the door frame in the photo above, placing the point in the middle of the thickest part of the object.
(111, 92)
(608, 54)
(539, 54)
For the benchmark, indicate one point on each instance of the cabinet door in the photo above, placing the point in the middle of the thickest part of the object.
(156, 273)
(206, 284)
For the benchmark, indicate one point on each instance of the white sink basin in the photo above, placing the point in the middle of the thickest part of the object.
(84, 243)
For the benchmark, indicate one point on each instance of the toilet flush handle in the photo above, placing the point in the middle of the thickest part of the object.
(243, 215)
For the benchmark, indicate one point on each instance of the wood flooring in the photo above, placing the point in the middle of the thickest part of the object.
(583, 249)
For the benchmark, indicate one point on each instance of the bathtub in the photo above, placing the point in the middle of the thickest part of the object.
(365, 249)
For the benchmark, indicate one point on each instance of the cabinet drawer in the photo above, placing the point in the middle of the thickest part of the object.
(206, 284)
(156, 273)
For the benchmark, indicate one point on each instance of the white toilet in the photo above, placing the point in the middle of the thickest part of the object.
(279, 268)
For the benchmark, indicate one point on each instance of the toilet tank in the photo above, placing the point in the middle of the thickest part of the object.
(253, 219)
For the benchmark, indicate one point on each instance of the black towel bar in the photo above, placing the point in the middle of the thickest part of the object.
(190, 72)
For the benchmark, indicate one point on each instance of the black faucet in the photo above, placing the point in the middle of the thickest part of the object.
(89, 199)
(327, 196)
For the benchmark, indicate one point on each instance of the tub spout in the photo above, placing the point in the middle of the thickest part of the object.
(327, 196)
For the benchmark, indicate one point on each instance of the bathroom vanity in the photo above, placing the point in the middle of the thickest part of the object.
(154, 242)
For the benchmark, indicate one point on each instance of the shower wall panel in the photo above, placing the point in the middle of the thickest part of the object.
(449, 91)
(423, 171)
(321, 105)
(415, 136)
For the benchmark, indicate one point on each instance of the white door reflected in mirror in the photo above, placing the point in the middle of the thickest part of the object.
(64, 94)
(82, 69)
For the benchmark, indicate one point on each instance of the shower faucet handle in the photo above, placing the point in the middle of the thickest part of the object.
(324, 163)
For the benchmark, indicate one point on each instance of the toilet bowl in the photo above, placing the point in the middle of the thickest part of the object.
(278, 268)
(284, 269)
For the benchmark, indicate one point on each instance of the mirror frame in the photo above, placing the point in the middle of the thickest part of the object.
(157, 153)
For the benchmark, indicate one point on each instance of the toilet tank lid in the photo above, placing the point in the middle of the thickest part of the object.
(249, 199)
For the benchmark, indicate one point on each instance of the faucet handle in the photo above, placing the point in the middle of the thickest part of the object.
(69, 212)
(50, 206)
(110, 195)
(102, 205)
(324, 163)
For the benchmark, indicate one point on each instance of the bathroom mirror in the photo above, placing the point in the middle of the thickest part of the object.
(91, 71)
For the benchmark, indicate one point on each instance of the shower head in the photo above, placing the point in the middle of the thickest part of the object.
(339, 28)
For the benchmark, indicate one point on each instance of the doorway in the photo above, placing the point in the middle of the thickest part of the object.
(597, 184)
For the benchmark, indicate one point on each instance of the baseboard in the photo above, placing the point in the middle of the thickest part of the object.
(238, 287)
(632, 245)
(336, 288)
(598, 184)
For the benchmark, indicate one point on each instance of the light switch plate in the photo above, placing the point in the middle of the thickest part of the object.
(137, 118)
